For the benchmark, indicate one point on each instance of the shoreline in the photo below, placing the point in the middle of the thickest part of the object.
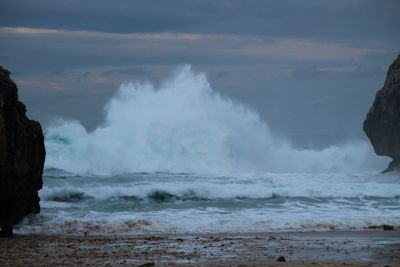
(330, 248)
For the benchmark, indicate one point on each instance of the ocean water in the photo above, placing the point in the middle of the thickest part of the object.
(181, 158)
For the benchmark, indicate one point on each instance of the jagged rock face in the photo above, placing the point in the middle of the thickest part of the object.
(22, 155)
(382, 124)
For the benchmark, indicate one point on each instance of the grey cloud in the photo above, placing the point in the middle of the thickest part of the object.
(126, 70)
(57, 71)
(340, 72)
(367, 66)
(54, 49)
(350, 19)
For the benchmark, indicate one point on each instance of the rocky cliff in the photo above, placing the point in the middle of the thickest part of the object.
(382, 124)
(22, 155)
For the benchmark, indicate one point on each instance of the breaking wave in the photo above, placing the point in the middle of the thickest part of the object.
(185, 126)
(213, 188)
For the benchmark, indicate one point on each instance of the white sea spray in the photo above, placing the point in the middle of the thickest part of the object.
(185, 126)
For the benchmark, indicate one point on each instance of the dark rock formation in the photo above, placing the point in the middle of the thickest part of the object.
(281, 259)
(388, 227)
(382, 124)
(22, 155)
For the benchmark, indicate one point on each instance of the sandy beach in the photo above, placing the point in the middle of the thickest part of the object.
(336, 248)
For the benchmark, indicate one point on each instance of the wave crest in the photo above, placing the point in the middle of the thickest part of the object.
(185, 126)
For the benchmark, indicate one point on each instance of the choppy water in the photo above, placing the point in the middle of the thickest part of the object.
(187, 203)
(183, 159)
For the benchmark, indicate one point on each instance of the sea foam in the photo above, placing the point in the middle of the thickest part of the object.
(185, 126)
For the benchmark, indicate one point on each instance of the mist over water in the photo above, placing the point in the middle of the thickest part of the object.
(185, 126)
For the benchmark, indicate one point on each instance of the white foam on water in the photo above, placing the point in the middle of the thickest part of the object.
(265, 186)
(209, 220)
(185, 126)
(269, 202)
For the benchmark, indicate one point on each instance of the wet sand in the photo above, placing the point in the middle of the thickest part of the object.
(335, 248)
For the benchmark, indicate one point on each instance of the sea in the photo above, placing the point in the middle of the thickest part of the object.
(180, 158)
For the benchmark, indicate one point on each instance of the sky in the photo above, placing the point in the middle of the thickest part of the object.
(307, 67)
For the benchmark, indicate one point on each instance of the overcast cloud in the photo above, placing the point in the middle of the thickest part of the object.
(306, 66)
